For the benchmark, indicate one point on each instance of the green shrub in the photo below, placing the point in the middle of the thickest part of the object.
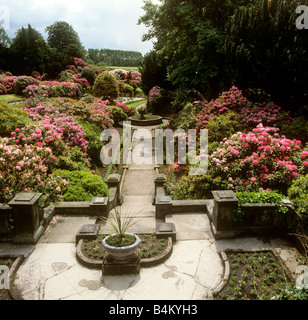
(23, 82)
(95, 144)
(12, 117)
(296, 129)
(222, 126)
(298, 194)
(186, 118)
(106, 86)
(88, 74)
(66, 75)
(129, 90)
(118, 115)
(82, 185)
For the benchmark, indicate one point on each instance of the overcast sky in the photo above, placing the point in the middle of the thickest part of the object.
(110, 24)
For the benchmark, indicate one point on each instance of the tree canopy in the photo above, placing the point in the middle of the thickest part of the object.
(63, 38)
(190, 35)
(109, 57)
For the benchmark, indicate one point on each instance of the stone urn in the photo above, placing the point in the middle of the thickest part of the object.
(124, 254)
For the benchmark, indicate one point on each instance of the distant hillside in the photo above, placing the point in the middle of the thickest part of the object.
(109, 57)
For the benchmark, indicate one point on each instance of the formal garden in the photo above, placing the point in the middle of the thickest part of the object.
(241, 89)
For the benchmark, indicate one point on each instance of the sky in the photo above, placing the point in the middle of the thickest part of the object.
(100, 24)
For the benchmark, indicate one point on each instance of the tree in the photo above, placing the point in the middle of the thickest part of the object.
(4, 47)
(189, 35)
(153, 72)
(29, 51)
(265, 50)
(63, 38)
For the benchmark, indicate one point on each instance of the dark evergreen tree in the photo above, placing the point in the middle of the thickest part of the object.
(265, 50)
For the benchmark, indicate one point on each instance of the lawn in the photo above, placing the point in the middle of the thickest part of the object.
(7, 98)
(135, 103)
(123, 68)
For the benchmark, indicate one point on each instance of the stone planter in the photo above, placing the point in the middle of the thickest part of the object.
(121, 260)
(261, 218)
(121, 254)
(155, 120)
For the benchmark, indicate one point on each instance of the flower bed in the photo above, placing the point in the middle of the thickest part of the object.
(258, 275)
(153, 250)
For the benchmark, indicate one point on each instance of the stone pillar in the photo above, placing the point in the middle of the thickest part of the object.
(163, 206)
(114, 181)
(99, 207)
(222, 217)
(27, 218)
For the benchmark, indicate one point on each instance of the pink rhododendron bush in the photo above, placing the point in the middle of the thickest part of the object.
(60, 138)
(260, 159)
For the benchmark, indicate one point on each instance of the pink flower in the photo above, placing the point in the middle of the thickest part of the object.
(305, 163)
(295, 174)
(253, 179)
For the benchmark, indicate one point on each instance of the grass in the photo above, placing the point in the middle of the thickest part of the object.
(7, 98)
(124, 68)
(136, 103)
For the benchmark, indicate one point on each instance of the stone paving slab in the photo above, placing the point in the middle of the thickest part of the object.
(51, 272)
(191, 226)
(63, 229)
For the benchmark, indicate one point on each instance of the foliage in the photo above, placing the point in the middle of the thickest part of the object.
(258, 197)
(121, 222)
(153, 72)
(128, 109)
(189, 37)
(159, 101)
(247, 162)
(223, 125)
(110, 57)
(63, 38)
(81, 185)
(117, 115)
(95, 145)
(265, 50)
(23, 82)
(22, 168)
(106, 86)
(12, 116)
(88, 74)
(298, 194)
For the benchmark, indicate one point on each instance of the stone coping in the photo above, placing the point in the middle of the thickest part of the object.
(144, 262)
